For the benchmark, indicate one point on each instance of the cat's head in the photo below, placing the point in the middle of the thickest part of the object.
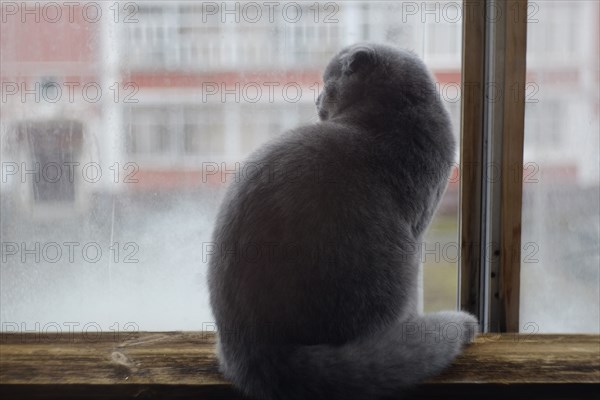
(369, 76)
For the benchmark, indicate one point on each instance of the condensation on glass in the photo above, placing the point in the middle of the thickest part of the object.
(560, 264)
(123, 122)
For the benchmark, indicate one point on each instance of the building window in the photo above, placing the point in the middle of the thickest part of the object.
(149, 132)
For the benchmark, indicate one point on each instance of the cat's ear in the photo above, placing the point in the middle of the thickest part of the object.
(361, 58)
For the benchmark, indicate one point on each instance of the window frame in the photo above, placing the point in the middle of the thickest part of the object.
(492, 133)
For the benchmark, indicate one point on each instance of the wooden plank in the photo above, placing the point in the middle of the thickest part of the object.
(471, 147)
(527, 359)
(183, 365)
(156, 358)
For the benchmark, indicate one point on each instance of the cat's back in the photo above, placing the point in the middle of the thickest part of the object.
(308, 173)
(311, 216)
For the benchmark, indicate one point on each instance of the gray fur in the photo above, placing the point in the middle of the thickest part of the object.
(313, 282)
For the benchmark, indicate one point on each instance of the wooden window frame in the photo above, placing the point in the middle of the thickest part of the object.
(492, 135)
(182, 365)
(502, 365)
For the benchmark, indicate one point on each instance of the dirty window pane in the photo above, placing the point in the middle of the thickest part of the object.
(122, 122)
(561, 205)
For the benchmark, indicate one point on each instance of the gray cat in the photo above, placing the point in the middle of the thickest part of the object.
(313, 276)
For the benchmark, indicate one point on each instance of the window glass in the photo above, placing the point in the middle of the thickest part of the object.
(561, 206)
(122, 123)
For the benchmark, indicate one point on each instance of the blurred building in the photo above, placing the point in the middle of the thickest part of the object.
(159, 91)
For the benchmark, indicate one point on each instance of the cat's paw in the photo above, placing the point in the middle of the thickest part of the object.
(470, 327)
(220, 356)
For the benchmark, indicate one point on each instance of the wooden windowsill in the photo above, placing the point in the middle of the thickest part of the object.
(183, 365)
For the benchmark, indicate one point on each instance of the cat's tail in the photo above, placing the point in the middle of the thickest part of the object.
(382, 365)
